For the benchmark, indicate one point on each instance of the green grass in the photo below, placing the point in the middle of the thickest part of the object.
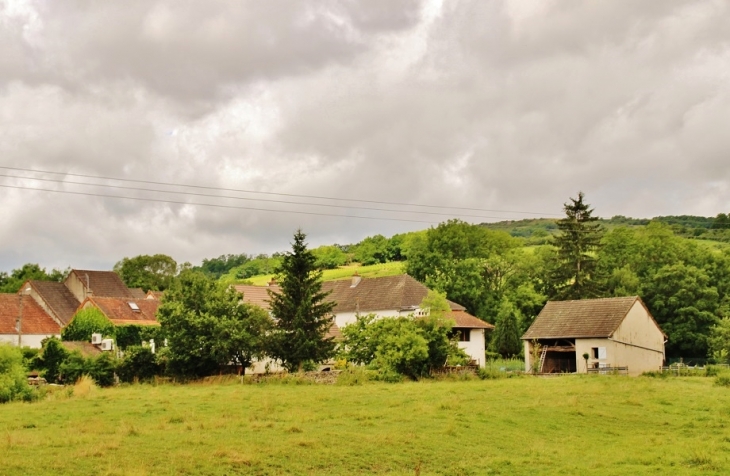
(346, 272)
(565, 425)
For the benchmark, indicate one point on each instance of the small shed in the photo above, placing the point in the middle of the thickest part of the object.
(613, 332)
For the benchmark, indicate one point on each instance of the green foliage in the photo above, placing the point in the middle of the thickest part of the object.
(139, 363)
(207, 327)
(723, 380)
(133, 335)
(73, 367)
(147, 272)
(683, 302)
(30, 358)
(719, 341)
(217, 267)
(506, 335)
(86, 322)
(11, 283)
(355, 376)
(472, 265)
(399, 346)
(102, 369)
(330, 257)
(372, 250)
(577, 275)
(52, 356)
(303, 314)
(261, 264)
(13, 380)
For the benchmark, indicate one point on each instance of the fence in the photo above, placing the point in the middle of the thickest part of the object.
(609, 370)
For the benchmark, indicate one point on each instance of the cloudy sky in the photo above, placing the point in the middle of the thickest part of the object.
(498, 109)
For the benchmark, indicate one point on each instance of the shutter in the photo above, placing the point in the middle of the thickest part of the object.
(601, 352)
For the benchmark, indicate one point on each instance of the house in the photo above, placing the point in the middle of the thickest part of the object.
(123, 312)
(23, 322)
(613, 332)
(387, 296)
(60, 301)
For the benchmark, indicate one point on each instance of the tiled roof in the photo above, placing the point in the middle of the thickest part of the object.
(104, 283)
(378, 294)
(334, 331)
(153, 295)
(34, 319)
(582, 318)
(121, 313)
(466, 321)
(138, 293)
(87, 349)
(58, 298)
(257, 295)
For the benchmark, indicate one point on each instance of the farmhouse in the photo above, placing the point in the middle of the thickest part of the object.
(21, 312)
(612, 332)
(387, 296)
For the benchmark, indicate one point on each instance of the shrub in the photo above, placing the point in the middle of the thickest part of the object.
(73, 367)
(13, 381)
(86, 322)
(102, 370)
(723, 380)
(139, 363)
(50, 359)
(131, 335)
(713, 370)
(355, 376)
(491, 374)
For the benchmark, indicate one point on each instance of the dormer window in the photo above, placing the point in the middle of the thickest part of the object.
(133, 306)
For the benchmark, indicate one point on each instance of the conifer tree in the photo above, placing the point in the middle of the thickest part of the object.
(576, 275)
(303, 315)
(506, 335)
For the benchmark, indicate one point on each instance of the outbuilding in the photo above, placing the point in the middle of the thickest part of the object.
(614, 333)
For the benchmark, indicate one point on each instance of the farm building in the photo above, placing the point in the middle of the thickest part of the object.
(612, 332)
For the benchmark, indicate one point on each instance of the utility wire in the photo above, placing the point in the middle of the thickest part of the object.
(169, 184)
(121, 187)
(213, 205)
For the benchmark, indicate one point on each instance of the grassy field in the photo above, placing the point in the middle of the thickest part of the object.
(566, 425)
(346, 272)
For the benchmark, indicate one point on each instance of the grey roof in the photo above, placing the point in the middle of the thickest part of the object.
(581, 318)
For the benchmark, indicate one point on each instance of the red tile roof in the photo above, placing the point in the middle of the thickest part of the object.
(581, 318)
(257, 295)
(34, 319)
(58, 298)
(121, 313)
(87, 349)
(466, 321)
(138, 293)
(104, 283)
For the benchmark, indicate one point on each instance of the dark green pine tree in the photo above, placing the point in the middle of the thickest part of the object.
(576, 275)
(301, 310)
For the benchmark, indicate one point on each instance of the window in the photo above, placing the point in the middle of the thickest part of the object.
(133, 306)
(463, 335)
(594, 352)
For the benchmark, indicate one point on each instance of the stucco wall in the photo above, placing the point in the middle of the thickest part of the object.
(475, 347)
(27, 340)
(77, 288)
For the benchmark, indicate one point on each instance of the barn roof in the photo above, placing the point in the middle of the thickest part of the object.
(104, 283)
(59, 299)
(126, 311)
(581, 318)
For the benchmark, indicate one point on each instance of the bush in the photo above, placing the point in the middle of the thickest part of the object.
(102, 370)
(355, 376)
(723, 380)
(50, 359)
(139, 364)
(713, 370)
(13, 381)
(131, 335)
(491, 374)
(87, 322)
(73, 367)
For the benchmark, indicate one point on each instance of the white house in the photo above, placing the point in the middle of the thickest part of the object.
(388, 296)
(612, 332)
(23, 322)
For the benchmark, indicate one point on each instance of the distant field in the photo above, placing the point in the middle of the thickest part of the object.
(566, 425)
(346, 272)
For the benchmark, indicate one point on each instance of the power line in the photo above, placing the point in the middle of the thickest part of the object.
(121, 187)
(213, 205)
(169, 184)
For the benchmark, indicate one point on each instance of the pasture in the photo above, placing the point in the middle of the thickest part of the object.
(565, 425)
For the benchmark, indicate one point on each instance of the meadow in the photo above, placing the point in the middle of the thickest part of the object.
(566, 425)
(393, 268)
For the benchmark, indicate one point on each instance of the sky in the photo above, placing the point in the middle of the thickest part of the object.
(482, 110)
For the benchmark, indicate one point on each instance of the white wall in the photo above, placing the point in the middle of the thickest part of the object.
(27, 340)
(476, 346)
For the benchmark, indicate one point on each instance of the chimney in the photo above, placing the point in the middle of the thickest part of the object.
(88, 286)
(355, 280)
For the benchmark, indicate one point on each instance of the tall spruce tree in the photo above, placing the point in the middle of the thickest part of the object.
(303, 315)
(576, 275)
